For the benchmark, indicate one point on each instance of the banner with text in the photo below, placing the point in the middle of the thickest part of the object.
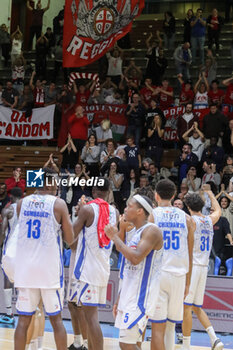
(172, 114)
(15, 126)
(91, 28)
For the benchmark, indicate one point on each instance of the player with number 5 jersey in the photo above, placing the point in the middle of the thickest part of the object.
(177, 228)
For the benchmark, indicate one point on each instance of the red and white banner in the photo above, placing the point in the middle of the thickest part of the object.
(92, 27)
(172, 114)
(15, 126)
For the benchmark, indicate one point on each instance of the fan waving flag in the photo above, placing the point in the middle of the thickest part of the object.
(92, 27)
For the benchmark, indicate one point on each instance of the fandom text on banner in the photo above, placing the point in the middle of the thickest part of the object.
(92, 27)
(14, 125)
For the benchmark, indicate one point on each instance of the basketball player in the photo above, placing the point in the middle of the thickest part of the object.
(78, 320)
(140, 285)
(9, 221)
(178, 229)
(38, 261)
(203, 238)
(92, 267)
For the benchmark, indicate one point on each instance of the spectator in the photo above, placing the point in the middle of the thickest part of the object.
(37, 20)
(227, 171)
(185, 160)
(134, 181)
(26, 100)
(215, 94)
(201, 90)
(147, 92)
(183, 191)
(38, 91)
(186, 121)
(227, 140)
(18, 73)
(128, 88)
(82, 92)
(78, 191)
(115, 62)
(228, 100)
(152, 53)
(90, 156)
(132, 153)
(58, 59)
(135, 114)
(214, 153)
(103, 133)
(191, 180)
(115, 99)
(169, 29)
(183, 59)
(197, 140)
(69, 156)
(146, 166)
(198, 25)
(116, 179)
(51, 164)
(50, 95)
(165, 95)
(186, 94)
(161, 64)
(5, 41)
(226, 204)
(78, 128)
(187, 26)
(178, 203)
(214, 124)
(4, 198)
(134, 72)
(96, 97)
(51, 38)
(108, 153)
(10, 96)
(17, 41)
(15, 180)
(1, 91)
(154, 176)
(58, 23)
(222, 234)
(152, 112)
(210, 67)
(41, 56)
(154, 149)
(108, 87)
(210, 174)
(214, 24)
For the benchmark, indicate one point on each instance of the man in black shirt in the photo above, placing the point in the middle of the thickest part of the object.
(214, 123)
(222, 235)
(10, 96)
(135, 114)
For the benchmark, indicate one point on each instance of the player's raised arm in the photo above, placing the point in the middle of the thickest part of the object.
(215, 205)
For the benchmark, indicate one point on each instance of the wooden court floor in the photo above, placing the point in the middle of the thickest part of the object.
(6, 342)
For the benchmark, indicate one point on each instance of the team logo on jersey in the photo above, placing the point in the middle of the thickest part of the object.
(35, 178)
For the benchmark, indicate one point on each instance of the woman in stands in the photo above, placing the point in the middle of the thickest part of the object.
(116, 179)
(201, 90)
(226, 204)
(90, 156)
(191, 180)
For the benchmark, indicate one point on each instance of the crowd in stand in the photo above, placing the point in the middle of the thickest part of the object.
(206, 148)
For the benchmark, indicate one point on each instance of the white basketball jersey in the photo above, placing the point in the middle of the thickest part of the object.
(172, 222)
(140, 285)
(128, 237)
(11, 226)
(203, 239)
(39, 262)
(92, 261)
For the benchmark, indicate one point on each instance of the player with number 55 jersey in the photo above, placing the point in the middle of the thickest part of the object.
(178, 229)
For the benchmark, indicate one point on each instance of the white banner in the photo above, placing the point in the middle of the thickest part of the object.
(15, 126)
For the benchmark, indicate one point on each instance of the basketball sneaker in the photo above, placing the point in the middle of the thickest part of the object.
(218, 345)
(72, 347)
(7, 319)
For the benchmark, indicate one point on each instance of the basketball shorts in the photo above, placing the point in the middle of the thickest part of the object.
(171, 298)
(29, 298)
(197, 286)
(130, 332)
(90, 295)
(72, 291)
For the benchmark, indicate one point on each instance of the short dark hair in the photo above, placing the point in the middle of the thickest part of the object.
(104, 187)
(130, 137)
(149, 201)
(16, 192)
(215, 81)
(213, 105)
(189, 145)
(166, 189)
(194, 202)
(110, 140)
(146, 191)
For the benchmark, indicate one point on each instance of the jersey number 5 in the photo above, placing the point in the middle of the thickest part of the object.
(36, 232)
(171, 240)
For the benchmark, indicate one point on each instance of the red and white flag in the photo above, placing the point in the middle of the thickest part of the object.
(92, 27)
